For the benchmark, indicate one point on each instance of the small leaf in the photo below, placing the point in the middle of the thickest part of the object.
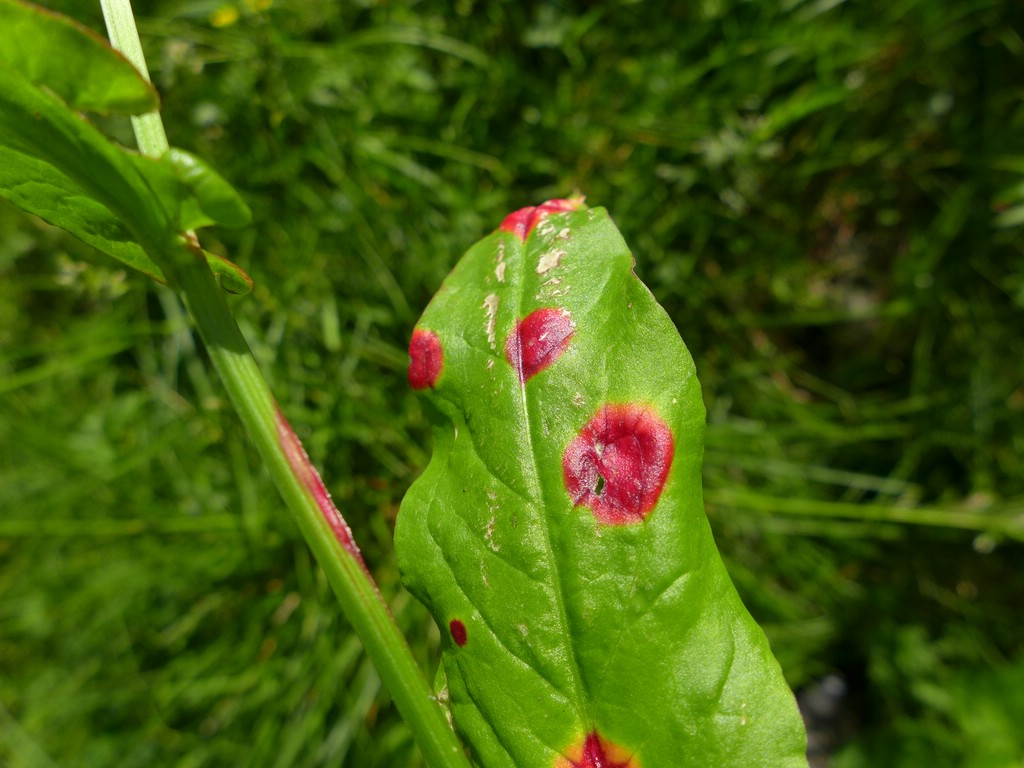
(42, 133)
(558, 534)
(1011, 217)
(232, 278)
(72, 61)
(191, 193)
(206, 197)
(59, 167)
(40, 189)
(1009, 206)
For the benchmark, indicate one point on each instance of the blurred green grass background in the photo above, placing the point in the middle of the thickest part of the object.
(827, 197)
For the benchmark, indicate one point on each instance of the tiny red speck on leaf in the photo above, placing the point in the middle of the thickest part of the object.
(425, 359)
(618, 464)
(458, 631)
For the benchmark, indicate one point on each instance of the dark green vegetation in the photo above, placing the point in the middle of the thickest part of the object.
(826, 200)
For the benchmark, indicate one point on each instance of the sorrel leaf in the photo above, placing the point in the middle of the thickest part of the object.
(558, 534)
(72, 61)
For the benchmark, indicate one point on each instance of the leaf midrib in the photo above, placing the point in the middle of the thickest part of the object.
(527, 412)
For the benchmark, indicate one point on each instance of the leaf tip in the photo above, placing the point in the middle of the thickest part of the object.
(522, 222)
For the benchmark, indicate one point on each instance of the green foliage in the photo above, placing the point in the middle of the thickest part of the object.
(576, 573)
(54, 52)
(170, 195)
(61, 168)
(962, 718)
(850, 307)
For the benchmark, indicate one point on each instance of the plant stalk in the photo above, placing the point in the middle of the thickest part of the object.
(124, 36)
(319, 520)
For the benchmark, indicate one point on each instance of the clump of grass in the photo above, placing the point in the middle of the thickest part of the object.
(811, 191)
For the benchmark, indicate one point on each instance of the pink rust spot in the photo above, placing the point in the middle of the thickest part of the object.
(538, 340)
(308, 476)
(596, 752)
(618, 463)
(521, 223)
(458, 630)
(425, 359)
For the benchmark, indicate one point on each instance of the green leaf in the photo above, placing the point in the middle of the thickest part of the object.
(1009, 205)
(558, 534)
(39, 188)
(59, 167)
(232, 278)
(71, 60)
(1011, 217)
(192, 192)
(35, 124)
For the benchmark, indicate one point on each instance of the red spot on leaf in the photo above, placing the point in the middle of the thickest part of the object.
(458, 630)
(538, 340)
(521, 223)
(597, 752)
(425, 359)
(618, 463)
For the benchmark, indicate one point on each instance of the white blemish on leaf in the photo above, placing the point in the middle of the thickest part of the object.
(548, 290)
(563, 234)
(489, 535)
(444, 700)
(545, 228)
(549, 260)
(557, 292)
(491, 305)
(490, 364)
(499, 270)
(578, 400)
(523, 629)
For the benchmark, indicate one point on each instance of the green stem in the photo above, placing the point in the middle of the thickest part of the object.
(363, 605)
(124, 36)
(319, 520)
